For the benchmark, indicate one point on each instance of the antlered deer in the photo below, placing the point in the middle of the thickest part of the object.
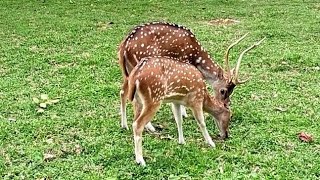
(165, 79)
(166, 39)
(157, 79)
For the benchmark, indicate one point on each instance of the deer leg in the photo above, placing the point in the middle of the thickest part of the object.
(176, 108)
(198, 114)
(137, 110)
(150, 128)
(138, 125)
(183, 111)
(123, 100)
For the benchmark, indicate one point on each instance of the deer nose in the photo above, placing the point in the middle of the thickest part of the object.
(227, 135)
(227, 103)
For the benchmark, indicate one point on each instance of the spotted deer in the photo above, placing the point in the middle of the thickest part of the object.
(157, 79)
(167, 39)
(164, 79)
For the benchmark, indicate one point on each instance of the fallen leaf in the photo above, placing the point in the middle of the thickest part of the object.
(85, 54)
(35, 100)
(305, 137)
(280, 109)
(104, 25)
(54, 116)
(53, 101)
(40, 110)
(49, 156)
(78, 149)
(221, 169)
(41, 179)
(256, 169)
(168, 137)
(44, 96)
(49, 141)
(255, 97)
(11, 119)
(155, 133)
(43, 105)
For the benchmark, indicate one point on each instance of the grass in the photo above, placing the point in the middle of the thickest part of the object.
(67, 49)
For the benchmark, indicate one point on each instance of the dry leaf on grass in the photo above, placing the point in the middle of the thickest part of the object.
(280, 109)
(43, 105)
(40, 110)
(44, 96)
(78, 149)
(12, 119)
(53, 101)
(104, 25)
(49, 141)
(36, 100)
(255, 97)
(305, 137)
(43, 102)
(167, 137)
(49, 156)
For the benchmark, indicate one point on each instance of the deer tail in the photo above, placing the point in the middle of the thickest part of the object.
(132, 88)
(122, 58)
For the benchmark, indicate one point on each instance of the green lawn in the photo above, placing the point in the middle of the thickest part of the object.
(67, 50)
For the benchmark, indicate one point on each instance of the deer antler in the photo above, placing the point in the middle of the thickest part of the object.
(236, 74)
(226, 55)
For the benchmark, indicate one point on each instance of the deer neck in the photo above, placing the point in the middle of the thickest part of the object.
(213, 106)
(208, 104)
(210, 70)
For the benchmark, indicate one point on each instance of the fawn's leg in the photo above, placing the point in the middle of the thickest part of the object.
(198, 114)
(138, 125)
(137, 111)
(176, 108)
(123, 100)
(183, 111)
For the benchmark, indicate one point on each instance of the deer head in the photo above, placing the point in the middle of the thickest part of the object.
(230, 79)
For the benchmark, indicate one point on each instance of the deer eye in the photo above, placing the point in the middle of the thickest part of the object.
(223, 91)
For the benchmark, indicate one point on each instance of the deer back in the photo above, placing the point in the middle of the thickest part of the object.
(164, 78)
(166, 39)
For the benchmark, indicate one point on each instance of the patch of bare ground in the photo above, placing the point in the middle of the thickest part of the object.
(223, 22)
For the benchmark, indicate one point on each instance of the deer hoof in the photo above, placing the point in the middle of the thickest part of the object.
(124, 126)
(212, 144)
(141, 162)
(181, 141)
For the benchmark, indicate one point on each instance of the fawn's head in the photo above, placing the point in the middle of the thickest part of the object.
(221, 114)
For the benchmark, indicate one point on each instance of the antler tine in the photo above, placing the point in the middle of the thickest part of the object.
(226, 55)
(239, 61)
